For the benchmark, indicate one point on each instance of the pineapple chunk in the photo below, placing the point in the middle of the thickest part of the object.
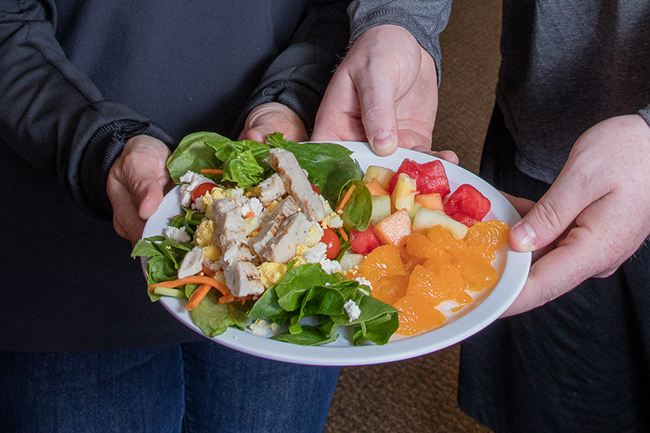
(382, 174)
(404, 192)
(427, 218)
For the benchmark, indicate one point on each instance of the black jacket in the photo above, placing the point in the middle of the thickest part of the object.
(78, 78)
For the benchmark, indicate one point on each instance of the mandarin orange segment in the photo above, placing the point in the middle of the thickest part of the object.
(490, 235)
(477, 271)
(479, 253)
(391, 289)
(441, 238)
(382, 262)
(427, 285)
(450, 276)
(418, 245)
(416, 315)
(408, 260)
(436, 263)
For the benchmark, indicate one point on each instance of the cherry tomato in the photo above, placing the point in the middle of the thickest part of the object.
(315, 188)
(333, 243)
(200, 190)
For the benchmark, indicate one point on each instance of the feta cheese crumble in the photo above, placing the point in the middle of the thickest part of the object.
(352, 310)
(176, 234)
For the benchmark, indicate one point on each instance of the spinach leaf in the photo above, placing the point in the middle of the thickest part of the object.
(310, 336)
(377, 330)
(297, 281)
(266, 306)
(358, 210)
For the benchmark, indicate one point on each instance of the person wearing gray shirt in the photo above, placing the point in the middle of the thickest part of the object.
(571, 133)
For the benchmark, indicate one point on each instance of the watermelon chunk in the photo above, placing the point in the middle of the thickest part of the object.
(363, 242)
(468, 201)
(430, 177)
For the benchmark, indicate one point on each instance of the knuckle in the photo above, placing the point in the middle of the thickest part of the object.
(546, 215)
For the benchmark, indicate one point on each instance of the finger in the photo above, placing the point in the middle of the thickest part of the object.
(339, 116)
(126, 220)
(555, 274)
(447, 155)
(253, 134)
(591, 247)
(521, 205)
(273, 117)
(554, 212)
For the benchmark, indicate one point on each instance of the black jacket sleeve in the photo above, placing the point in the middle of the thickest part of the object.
(299, 75)
(52, 115)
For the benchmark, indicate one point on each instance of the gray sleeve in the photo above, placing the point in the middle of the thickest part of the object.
(424, 19)
(645, 113)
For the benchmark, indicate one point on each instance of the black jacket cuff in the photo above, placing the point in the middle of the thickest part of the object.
(103, 149)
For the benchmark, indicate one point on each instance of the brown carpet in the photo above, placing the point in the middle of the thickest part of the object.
(419, 395)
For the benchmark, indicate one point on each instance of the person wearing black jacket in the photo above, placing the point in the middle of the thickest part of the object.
(95, 93)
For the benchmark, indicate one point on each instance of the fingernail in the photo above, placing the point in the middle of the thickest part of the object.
(525, 235)
(383, 140)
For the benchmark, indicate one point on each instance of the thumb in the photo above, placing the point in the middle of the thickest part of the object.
(549, 219)
(149, 194)
(377, 97)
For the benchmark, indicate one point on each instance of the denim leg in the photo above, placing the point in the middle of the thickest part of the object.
(138, 390)
(229, 391)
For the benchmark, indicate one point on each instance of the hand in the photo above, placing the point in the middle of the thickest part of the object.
(273, 117)
(384, 92)
(595, 215)
(136, 184)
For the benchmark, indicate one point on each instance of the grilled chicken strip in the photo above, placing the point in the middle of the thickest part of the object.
(242, 277)
(295, 181)
(293, 231)
(285, 208)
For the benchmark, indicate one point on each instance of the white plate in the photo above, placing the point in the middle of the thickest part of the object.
(488, 305)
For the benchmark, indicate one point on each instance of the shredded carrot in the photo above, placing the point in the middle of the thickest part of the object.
(197, 295)
(249, 214)
(205, 284)
(211, 171)
(194, 279)
(343, 234)
(345, 199)
(207, 271)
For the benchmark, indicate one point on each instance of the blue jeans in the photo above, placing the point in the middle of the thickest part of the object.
(192, 387)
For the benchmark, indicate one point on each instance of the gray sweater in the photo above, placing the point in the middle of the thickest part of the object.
(565, 66)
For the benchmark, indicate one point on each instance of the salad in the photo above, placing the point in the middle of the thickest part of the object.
(287, 231)
(257, 225)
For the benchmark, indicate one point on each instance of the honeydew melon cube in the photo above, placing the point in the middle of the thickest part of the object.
(381, 208)
(426, 218)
